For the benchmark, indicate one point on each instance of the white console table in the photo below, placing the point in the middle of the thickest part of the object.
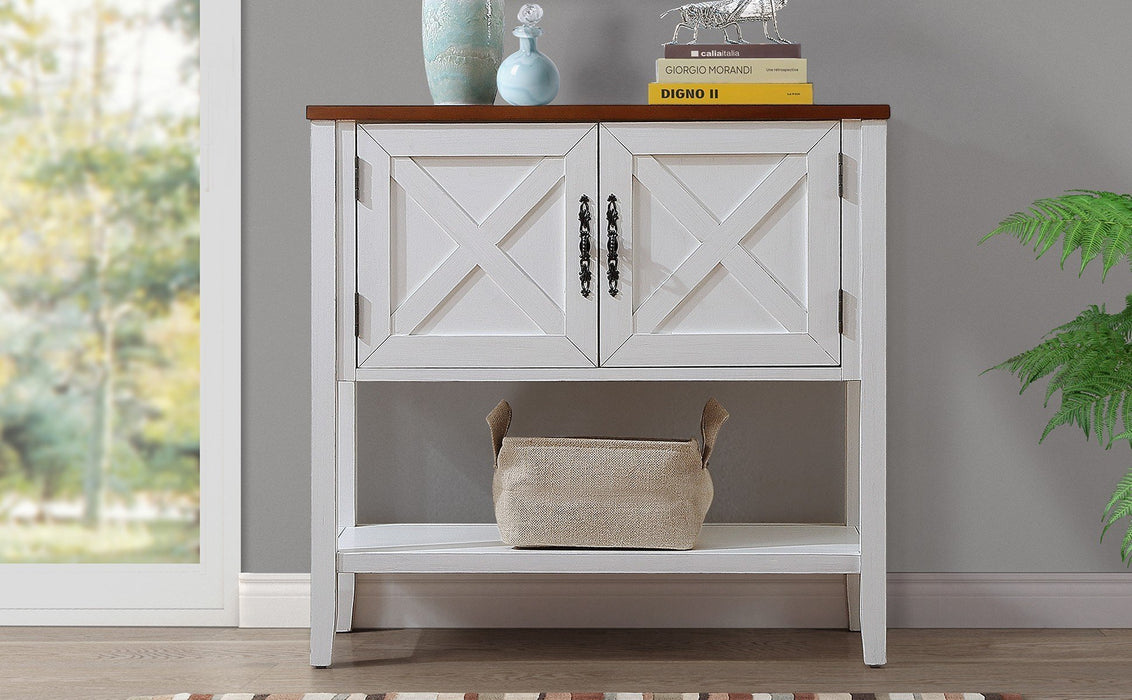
(450, 244)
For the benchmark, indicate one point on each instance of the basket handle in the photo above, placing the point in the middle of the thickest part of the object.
(499, 420)
(714, 416)
(713, 419)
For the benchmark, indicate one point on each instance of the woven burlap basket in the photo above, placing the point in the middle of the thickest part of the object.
(601, 493)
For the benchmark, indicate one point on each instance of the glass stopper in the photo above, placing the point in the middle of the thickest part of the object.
(530, 14)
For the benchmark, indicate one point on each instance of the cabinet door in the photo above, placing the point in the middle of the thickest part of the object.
(729, 246)
(468, 246)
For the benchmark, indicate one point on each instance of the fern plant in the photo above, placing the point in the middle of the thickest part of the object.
(1089, 360)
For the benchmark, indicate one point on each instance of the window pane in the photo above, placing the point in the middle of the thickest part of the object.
(99, 281)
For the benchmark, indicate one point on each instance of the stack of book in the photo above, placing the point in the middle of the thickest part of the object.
(731, 74)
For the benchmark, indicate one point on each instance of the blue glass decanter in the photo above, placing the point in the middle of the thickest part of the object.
(527, 77)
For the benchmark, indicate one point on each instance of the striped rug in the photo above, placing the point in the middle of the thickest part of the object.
(585, 697)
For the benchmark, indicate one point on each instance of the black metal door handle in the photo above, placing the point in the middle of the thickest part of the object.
(613, 218)
(584, 274)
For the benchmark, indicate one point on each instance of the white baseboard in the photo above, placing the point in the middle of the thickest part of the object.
(915, 600)
(275, 600)
(1010, 600)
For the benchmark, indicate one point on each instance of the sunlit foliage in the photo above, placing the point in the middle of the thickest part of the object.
(99, 268)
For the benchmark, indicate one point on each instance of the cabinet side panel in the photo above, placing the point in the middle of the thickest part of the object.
(873, 392)
(324, 536)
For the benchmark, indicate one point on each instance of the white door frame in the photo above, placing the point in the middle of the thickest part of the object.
(180, 594)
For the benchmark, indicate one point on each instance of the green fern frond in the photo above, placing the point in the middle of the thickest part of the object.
(1123, 491)
(1096, 224)
(1120, 507)
(1088, 361)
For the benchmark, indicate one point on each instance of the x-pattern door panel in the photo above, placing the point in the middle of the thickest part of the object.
(730, 244)
(468, 246)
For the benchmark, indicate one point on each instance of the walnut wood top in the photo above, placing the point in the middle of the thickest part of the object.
(491, 114)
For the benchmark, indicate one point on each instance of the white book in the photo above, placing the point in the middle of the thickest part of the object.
(731, 70)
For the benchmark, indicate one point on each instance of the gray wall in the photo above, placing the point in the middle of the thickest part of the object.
(994, 104)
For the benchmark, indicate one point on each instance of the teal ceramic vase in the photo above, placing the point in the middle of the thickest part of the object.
(463, 46)
(527, 77)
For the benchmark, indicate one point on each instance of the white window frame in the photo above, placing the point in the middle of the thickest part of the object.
(205, 593)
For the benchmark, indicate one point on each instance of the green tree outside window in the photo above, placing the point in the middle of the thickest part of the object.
(99, 283)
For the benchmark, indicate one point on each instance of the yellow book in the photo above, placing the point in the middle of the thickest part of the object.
(731, 93)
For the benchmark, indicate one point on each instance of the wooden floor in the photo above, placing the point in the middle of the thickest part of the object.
(112, 664)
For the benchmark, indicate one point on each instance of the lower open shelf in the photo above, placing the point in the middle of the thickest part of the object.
(720, 549)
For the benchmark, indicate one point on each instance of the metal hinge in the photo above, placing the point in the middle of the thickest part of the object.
(357, 178)
(841, 312)
(357, 315)
(841, 175)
